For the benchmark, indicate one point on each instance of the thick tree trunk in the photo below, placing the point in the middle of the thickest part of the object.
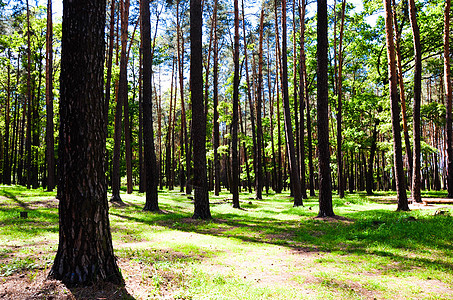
(416, 171)
(200, 183)
(448, 96)
(325, 185)
(395, 109)
(152, 173)
(85, 251)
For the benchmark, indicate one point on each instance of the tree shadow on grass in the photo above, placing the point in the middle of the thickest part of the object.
(388, 229)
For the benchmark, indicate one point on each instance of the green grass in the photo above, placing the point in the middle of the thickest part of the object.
(266, 250)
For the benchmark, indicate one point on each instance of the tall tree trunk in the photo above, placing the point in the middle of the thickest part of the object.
(416, 172)
(325, 185)
(302, 82)
(85, 252)
(293, 166)
(448, 97)
(395, 109)
(50, 152)
(279, 134)
(249, 95)
(340, 105)
(259, 126)
(201, 197)
(402, 93)
(216, 138)
(152, 173)
(235, 121)
(29, 102)
(121, 97)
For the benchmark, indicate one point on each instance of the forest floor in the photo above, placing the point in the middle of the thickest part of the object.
(266, 250)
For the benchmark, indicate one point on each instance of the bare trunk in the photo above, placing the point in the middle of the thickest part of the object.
(85, 252)
(325, 185)
(448, 96)
(395, 109)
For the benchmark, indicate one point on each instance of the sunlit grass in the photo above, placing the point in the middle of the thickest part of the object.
(268, 249)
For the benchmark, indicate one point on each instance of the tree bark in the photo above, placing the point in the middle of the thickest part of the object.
(152, 172)
(85, 251)
(216, 137)
(325, 185)
(302, 83)
(259, 126)
(200, 182)
(235, 121)
(448, 97)
(293, 166)
(121, 98)
(395, 109)
(416, 171)
(340, 106)
(50, 143)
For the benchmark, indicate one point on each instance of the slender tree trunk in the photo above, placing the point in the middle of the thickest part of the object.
(249, 95)
(325, 185)
(340, 106)
(448, 97)
(216, 138)
(85, 252)
(259, 126)
(402, 94)
(416, 171)
(121, 98)
(50, 152)
(293, 166)
(279, 133)
(302, 83)
(152, 174)
(235, 121)
(397, 148)
(29, 102)
(201, 196)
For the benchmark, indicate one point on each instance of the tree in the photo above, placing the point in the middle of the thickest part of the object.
(50, 152)
(121, 98)
(325, 185)
(448, 94)
(151, 170)
(85, 251)
(293, 166)
(200, 181)
(416, 176)
(235, 121)
(395, 110)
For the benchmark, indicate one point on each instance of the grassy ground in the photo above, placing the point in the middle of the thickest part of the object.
(266, 250)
